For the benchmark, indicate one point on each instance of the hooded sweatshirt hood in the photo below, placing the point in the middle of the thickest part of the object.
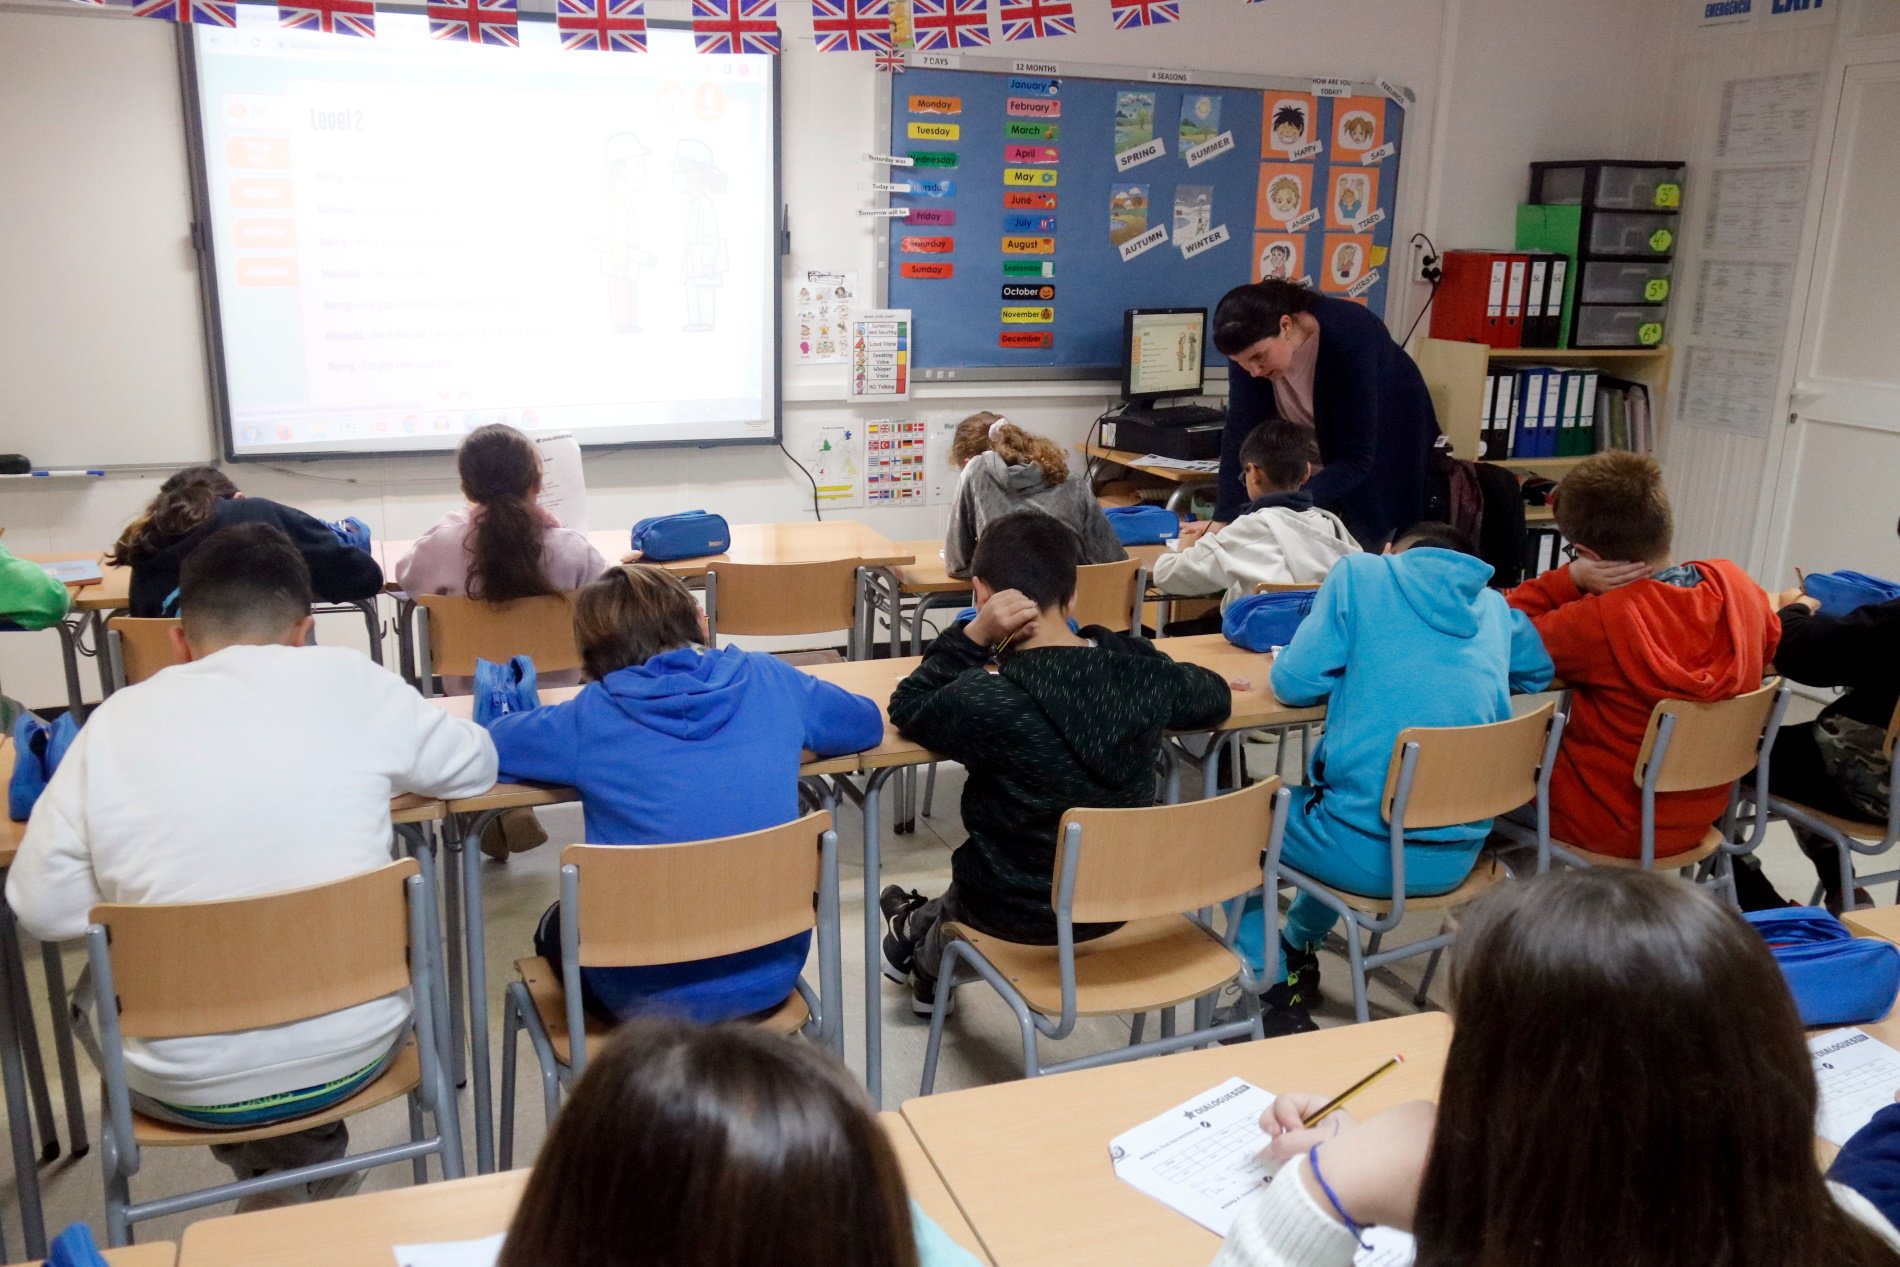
(1442, 587)
(1020, 478)
(1723, 658)
(685, 693)
(990, 488)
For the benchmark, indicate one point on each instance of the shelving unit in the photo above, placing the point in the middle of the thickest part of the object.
(1455, 375)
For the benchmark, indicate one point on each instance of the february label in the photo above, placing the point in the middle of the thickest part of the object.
(934, 131)
(1044, 176)
(1034, 108)
(1153, 149)
(1210, 149)
(1146, 242)
(1205, 242)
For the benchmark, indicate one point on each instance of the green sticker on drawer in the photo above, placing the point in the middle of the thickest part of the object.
(1669, 195)
(1656, 289)
(1649, 334)
(1661, 240)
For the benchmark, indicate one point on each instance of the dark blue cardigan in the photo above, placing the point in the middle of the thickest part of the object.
(1374, 418)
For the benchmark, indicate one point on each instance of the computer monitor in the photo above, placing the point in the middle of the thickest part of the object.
(1161, 353)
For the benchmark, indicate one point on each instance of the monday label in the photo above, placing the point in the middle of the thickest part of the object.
(936, 105)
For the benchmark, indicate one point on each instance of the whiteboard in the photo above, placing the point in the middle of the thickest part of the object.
(101, 337)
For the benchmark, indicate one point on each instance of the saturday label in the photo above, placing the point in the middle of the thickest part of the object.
(1028, 316)
(1030, 175)
(1146, 242)
(1332, 86)
(934, 131)
(1306, 221)
(1041, 293)
(1026, 339)
(1212, 148)
(1029, 223)
(1034, 108)
(1028, 246)
(1141, 154)
(1379, 155)
(1206, 242)
(1364, 284)
(1029, 202)
(1030, 154)
(928, 270)
(927, 246)
(1019, 130)
(939, 217)
(1029, 268)
(936, 105)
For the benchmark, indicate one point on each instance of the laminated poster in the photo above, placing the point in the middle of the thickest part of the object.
(1200, 119)
(835, 458)
(1127, 212)
(1134, 120)
(1289, 122)
(1193, 211)
(822, 305)
(1277, 257)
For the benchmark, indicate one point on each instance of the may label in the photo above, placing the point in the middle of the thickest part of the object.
(1029, 268)
(1021, 130)
(1034, 108)
(1035, 87)
(937, 217)
(936, 105)
(1379, 155)
(1141, 154)
(1040, 294)
(1332, 86)
(888, 160)
(1146, 242)
(1213, 148)
(1025, 339)
(1029, 202)
(1205, 242)
(1306, 221)
(1364, 284)
(934, 158)
(934, 131)
(1028, 246)
(1367, 224)
(1310, 150)
(927, 246)
(1028, 316)
(928, 270)
(937, 188)
(1170, 77)
(1044, 176)
(1030, 154)
(1028, 223)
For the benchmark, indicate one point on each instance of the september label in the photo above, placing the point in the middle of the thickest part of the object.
(1146, 242)
(1209, 149)
(1141, 154)
(1029, 268)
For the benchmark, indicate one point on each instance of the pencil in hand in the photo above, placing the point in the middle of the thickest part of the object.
(1333, 1105)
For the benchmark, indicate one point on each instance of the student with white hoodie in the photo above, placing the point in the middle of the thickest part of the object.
(1281, 537)
(255, 765)
(1005, 469)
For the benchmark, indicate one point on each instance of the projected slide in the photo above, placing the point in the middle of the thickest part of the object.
(413, 238)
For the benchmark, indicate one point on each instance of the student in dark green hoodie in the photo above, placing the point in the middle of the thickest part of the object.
(1070, 718)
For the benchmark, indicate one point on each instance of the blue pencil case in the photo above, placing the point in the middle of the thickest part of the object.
(1836, 977)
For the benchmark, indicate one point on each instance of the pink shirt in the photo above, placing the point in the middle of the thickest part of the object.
(1293, 390)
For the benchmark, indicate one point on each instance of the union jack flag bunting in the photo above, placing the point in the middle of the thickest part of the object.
(735, 26)
(951, 23)
(1131, 13)
(608, 26)
(852, 26)
(1037, 19)
(202, 12)
(332, 17)
(473, 21)
(891, 63)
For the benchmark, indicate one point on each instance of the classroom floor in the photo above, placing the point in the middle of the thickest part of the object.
(981, 1044)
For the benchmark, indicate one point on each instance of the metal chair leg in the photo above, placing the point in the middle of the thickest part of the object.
(57, 1004)
(35, 1063)
(419, 1168)
(1137, 1028)
(510, 1038)
(1167, 1022)
(1360, 1007)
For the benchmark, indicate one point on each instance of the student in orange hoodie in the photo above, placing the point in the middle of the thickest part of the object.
(1626, 626)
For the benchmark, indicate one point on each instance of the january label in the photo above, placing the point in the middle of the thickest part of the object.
(1036, 87)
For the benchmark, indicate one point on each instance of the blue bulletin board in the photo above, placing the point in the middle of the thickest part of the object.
(1038, 191)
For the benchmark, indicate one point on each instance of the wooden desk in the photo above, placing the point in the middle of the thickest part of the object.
(1028, 1161)
(1882, 922)
(1132, 460)
(823, 541)
(926, 1185)
(154, 1254)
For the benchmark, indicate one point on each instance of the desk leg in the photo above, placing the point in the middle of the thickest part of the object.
(453, 861)
(405, 638)
(69, 657)
(873, 936)
(30, 1050)
(63, 1048)
(26, 1173)
(373, 618)
(475, 948)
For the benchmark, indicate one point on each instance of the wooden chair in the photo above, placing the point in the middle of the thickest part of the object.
(453, 632)
(137, 648)
(1851, 836)
(1437, 777)
(629, 906)
(783, 600)
(1284, 587)
(200, 968)
(1157, 872)
(1110, 594)
(1691, 746)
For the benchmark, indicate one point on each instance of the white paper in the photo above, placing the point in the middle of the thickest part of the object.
(1202, 1159)
(1769, 118)
(835, 458)
(563, 482)
(73, 571)
(1757, 210)
(1742, 301)
(878, 348)
(1858, 1075)
(940, 434)
(482, 1253)
(1206, 466)
(894, 461)
(822, 304)
(1727, 389)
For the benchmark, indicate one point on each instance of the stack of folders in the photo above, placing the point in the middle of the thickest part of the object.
(1546, 412)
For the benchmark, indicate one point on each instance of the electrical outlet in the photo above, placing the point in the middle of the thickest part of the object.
(1425, 263)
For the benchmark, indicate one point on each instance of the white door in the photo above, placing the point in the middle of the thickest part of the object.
(1837, 501)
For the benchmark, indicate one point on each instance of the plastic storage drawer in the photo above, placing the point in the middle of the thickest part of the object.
(1611, 185)
(1617, 326)
(1623, 282)
(1629, 233)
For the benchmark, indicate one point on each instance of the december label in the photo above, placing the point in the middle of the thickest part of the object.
(1025, 339)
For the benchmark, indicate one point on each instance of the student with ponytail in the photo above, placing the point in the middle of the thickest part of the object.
(1006, 469)
(200, 500)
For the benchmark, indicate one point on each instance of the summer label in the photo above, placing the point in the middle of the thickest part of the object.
(1208, 149)
(1029, 176)
(1140, 154)
(928, 270)
(934, 131)
(1028, 316)
(1025, 339)
(1028, 246)
(936, 105)
(1034, 108)
(1031, 154)
(1146, 242)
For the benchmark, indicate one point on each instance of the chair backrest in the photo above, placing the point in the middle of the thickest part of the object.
(1105, 594)
(461, 630)
(1167, 859)
(1284, 587)
(143, 646)
(653, 904)
(783, 599)
(1712, 745)
(188, 968)
(1465, 774)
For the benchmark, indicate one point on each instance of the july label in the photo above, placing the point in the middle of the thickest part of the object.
(1029, 202)
(1034, 108)
(890, 187)
(888, 160)
(1208, 149)
(1379, 155)
(1146, 242)
(1025, 339)
(1310, 150)
(1364, 284)
(1041, 294)
(937, 188)
(886, 213)
(1030, 154)
(934, 158)
(1367, 224)
(1170, 77)
(1028, 246)
(1206, 242)
(1306, 221)
(927, 246)
(1332, 86)
(1029, 176)
(1018, 130)
(1029, 268)
(934, 131)
(1141, 154)
(937, 217)
(1028, 316)
(928, 270)
(1036, 87)
(1021, 223)
(936, 105)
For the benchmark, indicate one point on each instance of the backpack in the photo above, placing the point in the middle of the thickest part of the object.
(1836, 977)
(686, 535)
(37, 750)
(351, 531)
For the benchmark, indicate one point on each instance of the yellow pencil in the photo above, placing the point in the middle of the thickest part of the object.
(1320, 1114)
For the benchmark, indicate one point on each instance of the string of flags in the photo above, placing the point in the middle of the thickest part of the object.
(886, 28)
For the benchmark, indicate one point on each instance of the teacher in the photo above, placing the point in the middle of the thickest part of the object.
(1331, 365)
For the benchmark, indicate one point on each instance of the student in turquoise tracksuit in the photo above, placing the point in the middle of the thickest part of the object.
(1410, 638)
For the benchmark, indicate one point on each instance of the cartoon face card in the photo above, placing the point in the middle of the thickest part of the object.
(1286, 192)
(1348, 257)
(1277, 257)
(1291, 121)
(1358, 126)
(1351, 195)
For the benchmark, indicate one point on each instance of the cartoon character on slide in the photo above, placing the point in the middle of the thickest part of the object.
(621, 255)
(703, 264)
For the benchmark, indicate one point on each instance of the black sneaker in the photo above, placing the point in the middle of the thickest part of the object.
(1302, 974)
(1279, 1018)
(923, 996)
(897, 954)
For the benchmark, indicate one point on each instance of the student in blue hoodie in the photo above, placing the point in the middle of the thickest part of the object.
(674, 741)
(1409, 638)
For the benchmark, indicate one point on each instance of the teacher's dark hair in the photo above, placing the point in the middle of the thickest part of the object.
(1248, 314)
(713, 1146)
(1649, 1002)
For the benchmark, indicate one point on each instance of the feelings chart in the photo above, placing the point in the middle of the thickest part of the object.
(1041, 199)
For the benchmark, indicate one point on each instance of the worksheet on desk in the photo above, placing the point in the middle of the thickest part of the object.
(478, 1253)
(1202, 1158)
(1858, 1075)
